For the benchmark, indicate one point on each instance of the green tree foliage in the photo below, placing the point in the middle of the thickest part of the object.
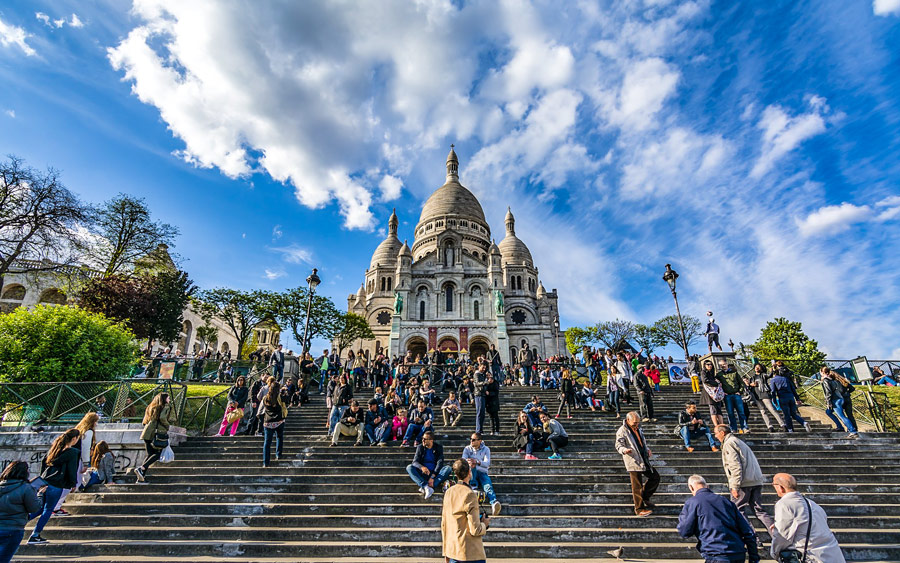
(785, 340)
(614, 333)
(669, 328)
(353, 327)
(207, 334)
(577, 338)
(151, 304)
(288, 308)
(239, 310)
(57, 343)
(125, 233)
(648, 337)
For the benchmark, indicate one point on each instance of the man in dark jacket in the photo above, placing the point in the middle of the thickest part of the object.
(782, 386)
(17, 500)
(534, 410)
(427, 469)
(733, 386)
(376, 423)
(480, 380)
(645, 394)
(690, 425)
(420, 421)
(723, 533)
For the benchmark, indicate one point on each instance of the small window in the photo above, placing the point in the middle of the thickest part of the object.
(421, 310)
(476, 310)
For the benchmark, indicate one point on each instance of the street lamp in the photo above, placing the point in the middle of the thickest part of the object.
(556, 335)
(669, 277)
(313, 282)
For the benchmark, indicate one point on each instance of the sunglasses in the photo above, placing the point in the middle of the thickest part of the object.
(475, 439)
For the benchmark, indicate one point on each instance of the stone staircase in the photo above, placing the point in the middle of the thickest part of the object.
(217, 503)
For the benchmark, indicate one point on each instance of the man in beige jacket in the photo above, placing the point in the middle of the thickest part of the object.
(462, 527)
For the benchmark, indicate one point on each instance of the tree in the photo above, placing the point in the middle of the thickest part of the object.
(58, 343)
(351, 327)
(614, 333)
(39, 219)
(239, 310)
(125, 233)
(207, 333)
(288, 308)
(669, 328)
(648, 337)
(785, 340)
(151, 305)
(577, 338)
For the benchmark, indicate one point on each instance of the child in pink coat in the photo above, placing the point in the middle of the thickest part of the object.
(400, 423)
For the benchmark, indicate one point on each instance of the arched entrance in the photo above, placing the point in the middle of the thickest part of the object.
(418, 346)
(478, 347)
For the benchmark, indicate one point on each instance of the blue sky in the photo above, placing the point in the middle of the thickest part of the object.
(753, 145)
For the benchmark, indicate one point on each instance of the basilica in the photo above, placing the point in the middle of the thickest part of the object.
(455, 289)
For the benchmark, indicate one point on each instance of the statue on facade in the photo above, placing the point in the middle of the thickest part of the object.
(498, 301)
(398, 303)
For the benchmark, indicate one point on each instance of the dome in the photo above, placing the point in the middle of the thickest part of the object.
(387, 252)
(511, 247)
(405, 251)
(494, 248)
(452, 198)
(540, 290)
(361, 294)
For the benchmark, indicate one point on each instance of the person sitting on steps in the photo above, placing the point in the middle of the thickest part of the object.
(451, 410)
(351, 424)
(524, 441)
(479, 457)
(534, 410)
(427, 469)
(692, 426)
(377, 424)
(420, 421)
(555, 434)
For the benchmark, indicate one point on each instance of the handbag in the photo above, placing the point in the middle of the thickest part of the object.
(717, 394)
(234, 415)
(160, 439)
(792, 555)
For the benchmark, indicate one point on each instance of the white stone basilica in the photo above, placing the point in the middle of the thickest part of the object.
(456, 290)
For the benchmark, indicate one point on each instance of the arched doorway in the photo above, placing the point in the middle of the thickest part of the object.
(449, 347)
(187, 331)
(478, 347)
(53, 296)
(418, 346)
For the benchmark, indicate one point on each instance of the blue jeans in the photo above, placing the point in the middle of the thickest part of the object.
(9, 543)
(789, 409)
(735, 403)
(51, 497)
(414, 432)
(336, 414)
(687, 434)
(497, 370)
(370, 432)
(479, 413)
(614, 400)
(278, 372)
(534, 418)
(482, 480)
(526, 375)
(838, 409)
(593, 374)
(421, 479)
(92, 480)
(268, 433)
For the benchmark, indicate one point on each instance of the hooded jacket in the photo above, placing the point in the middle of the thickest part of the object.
(741, 466)
(17, 499)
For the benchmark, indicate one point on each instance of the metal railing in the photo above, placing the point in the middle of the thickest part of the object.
(189, 368)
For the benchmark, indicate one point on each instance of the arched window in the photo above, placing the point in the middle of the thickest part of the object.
(448, 295)
(382, 284)
(421, 310)
(475, 305)
(390, 283)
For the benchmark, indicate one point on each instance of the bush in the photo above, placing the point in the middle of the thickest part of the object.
(51, 343)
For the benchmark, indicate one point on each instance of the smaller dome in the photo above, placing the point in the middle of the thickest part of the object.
(361, 294)
(541, 292)
(494, 249)
(405, 251)
(387, 252)
(511, 247)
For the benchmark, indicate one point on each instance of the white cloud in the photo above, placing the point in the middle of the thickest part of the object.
(294, 254)
(10, 113)
(277, 232)
(43, 17)
(783, 133)
(391, 187)
(833, 219)
(645, 88)
(73, 21)
(886, 7)
(11, 35)
(274, 275)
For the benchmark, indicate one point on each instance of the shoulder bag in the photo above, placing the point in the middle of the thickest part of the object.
(160, 439)
(792, 555)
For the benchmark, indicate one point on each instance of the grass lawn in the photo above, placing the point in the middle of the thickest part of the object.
(205, 390)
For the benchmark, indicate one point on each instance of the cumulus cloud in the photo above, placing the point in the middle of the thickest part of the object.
(782, 133)
(391, 187)
(14, 36)
(645, 88)
(833, 219)
(886, 7)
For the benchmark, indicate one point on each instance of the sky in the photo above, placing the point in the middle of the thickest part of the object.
(752, 145)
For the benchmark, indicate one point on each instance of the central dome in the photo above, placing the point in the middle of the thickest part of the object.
(452, 198)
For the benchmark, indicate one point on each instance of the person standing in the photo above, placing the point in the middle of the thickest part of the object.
(157, 418)
(733, 386)
(645, 394)
(478, 455)
(59, 469)
(833, 389)
(566, 394)
(274, 414)
(723, 534)
(614, 387)
(18, 500)
(462, 527)
(493, 357)
(526, 360)
(636, 454)
(782, 386)
(758, 387)
(492, 402)
(277, 363)
(745, 476)
(801, 525)
(712, 335)
(480, 379)
(711, 393)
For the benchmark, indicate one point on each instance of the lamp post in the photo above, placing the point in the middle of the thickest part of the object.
(669, 277)
(556, 335)
(312, 281)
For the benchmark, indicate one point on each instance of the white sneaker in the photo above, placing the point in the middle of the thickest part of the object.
(428, 492)
(421, 490)
(495, 508)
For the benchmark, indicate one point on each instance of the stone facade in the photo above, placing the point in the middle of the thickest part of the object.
(455, 289)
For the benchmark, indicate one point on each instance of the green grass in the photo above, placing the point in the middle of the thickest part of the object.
(205, 390)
